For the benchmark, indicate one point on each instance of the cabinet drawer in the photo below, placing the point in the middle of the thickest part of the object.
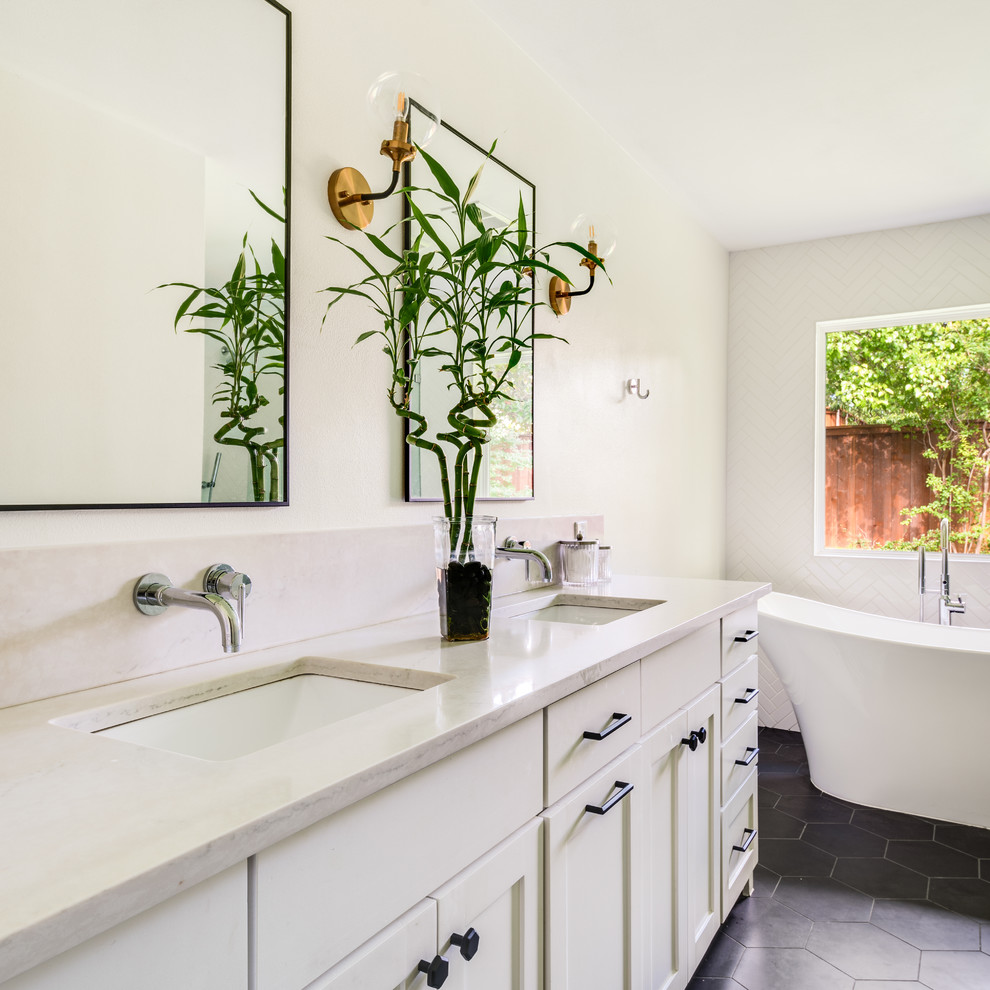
(609, 707)
(678, 673)
(740, 843)
(740, 754)
(739, 696)
(321, 893)
(738, 625)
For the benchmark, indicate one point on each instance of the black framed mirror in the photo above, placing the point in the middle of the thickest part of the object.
(507, 467)
(145, 154)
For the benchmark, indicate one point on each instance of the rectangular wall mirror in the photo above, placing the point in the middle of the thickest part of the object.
(507, 467)
(138, 138)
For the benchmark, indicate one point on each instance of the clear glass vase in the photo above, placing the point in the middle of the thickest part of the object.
(465, 558)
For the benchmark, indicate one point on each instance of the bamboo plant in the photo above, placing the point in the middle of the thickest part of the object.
(463, 294)
(246, 316)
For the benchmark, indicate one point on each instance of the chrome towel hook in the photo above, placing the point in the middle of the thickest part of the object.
(634, 387)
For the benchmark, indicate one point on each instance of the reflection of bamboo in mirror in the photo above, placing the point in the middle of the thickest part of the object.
(246, 316)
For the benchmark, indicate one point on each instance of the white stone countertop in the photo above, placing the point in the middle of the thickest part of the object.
(94, 830)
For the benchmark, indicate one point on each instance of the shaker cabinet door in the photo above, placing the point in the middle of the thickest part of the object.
(665, 757)
(594, 882)
(704, 839)
(489, 917)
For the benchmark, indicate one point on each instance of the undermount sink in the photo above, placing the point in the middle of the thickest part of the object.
(583, 610)
(228, 718)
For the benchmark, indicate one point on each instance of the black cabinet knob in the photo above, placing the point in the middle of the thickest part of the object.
(468, 943)
(436, 971)
(702, 735)
(691, 742)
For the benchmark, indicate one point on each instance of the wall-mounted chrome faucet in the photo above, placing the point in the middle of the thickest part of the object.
(946, 606)
(516, 550)
(155, 592)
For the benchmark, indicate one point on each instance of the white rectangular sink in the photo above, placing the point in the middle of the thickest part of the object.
(225, 719)
(584, 610)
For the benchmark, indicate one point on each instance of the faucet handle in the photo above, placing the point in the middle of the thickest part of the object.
(222, 579)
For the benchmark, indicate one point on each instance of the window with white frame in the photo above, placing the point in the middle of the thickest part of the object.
(903, 431)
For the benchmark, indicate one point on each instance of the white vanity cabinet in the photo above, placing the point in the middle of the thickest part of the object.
(323, 892)
(594, 881)
(197, 940)
(492, 911)
(595, 843)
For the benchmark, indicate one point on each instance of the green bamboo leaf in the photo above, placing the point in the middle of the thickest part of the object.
(365, 336)
(522, 234)
(431, 233)
(267, 209)
(445, 182)
(382, 247)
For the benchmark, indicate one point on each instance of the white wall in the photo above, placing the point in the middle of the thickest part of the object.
(777, 296)
(654, 468)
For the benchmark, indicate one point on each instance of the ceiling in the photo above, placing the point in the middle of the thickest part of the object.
(782, 120)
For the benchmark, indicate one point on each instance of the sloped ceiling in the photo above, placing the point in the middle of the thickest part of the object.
(782, 120)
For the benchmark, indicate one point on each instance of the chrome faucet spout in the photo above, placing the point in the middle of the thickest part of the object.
(154, 593)
(230, 626)
(516, 550)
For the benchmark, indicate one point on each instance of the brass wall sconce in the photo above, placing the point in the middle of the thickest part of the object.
(348, 192)
(561, 293)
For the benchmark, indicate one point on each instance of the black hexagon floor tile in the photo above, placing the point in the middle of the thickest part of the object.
(926, 925)
(965, 838)
(932, 858)
(845, 840)
(824, 899)
(774, 824)
(829, 876)
(955, 970)
(721, 958)
(788, 783)
(815, 809)
(794, 858)
(789, 969)
(892, 824)
(864, 951)
(763, 922)
(765, 884)
(882, 878)
(962, 895)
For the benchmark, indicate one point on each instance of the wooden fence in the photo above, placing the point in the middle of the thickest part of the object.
(871, 473)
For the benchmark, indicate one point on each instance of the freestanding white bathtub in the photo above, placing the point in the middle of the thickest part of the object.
(894, 714)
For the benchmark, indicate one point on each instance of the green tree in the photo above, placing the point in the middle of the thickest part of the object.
(933, 378)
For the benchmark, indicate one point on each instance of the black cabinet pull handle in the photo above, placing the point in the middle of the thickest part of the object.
(702, 735)
(468, 943)
(748, 695)
(601, 809)
(754, 752)
(436, 971)
(746, 636)
(619, 719)
(691, 742)
(750, 834)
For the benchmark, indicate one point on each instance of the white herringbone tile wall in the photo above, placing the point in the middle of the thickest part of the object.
(777, 295)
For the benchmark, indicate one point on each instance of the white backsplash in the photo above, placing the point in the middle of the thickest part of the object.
(69, 622)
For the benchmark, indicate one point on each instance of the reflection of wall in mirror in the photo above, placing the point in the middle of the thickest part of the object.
(73, 339)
